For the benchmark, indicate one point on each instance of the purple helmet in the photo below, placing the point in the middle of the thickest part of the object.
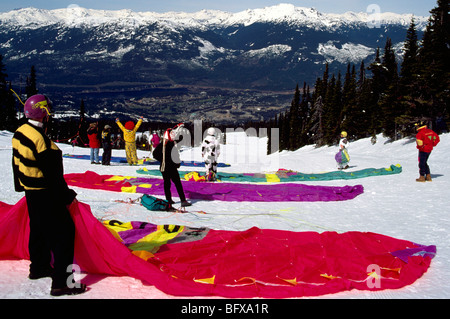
(37, 107)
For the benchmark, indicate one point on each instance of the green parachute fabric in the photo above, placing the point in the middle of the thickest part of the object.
(256, 263)
(287, 176)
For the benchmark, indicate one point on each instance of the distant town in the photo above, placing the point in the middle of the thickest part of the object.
(180, 104)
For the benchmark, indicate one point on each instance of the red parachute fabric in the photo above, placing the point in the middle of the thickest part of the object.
(238, 264)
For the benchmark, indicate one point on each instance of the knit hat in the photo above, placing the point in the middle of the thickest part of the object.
(129, 125)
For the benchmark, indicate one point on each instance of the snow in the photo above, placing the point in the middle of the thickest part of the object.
(349, 52)
(75, 16)
(393, 205)
(271, 51)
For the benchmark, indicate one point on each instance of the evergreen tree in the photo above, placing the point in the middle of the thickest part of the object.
(82, 110)
(350, 111)
(325, 80)
(316, 124)
(304, 115)
(390, 67)
(375, 89)
(410, 64)
(273, 123)
(295, 123)
(409, 93)
(7, 102)
(82, 126)
(364, 97)
(388, 102)
(31, 87)
(3, 87)
(10, 119)
(409, 80)
(435, 64)
(332, 110)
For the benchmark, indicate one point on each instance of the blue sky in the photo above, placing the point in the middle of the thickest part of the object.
(417, 7)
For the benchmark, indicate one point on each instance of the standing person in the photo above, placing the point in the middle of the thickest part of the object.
(210, 153)
(38, 171)
(155, 140)
(168, 155)
(426, 140)
(129, 135)
(94, 142)
(107, 145)
(342, 157)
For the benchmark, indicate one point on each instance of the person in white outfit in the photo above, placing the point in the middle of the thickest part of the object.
(344, 161)
(210, 153)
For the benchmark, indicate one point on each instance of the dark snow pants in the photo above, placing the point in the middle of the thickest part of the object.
(172, 175)
(424, 169)
(106, 156)
(52, 234)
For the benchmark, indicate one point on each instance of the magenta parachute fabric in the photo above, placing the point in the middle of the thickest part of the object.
(220, 191)
(234, 192)
(238, 264)
(14, 230)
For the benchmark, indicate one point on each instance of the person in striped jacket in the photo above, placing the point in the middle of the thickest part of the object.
(38, 171)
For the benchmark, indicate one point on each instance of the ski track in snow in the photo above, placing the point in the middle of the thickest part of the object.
(393, 205)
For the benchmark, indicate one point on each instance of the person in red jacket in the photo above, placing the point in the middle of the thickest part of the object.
(94, 142)
(426, 140)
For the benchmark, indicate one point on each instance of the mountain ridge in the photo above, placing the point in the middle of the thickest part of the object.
(78, 16)
(100, 55)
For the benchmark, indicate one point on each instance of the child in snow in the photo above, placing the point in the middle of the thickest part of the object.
(426, 140)
(107, 145)
(38, 171)
(210, 153)
(342, 157)
(169, 157)
(129, 135)
(94, 142)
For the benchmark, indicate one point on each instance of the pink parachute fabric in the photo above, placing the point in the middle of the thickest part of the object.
(237, 264)
(219, 191)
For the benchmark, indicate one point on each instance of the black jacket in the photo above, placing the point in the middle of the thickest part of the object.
(172, 156)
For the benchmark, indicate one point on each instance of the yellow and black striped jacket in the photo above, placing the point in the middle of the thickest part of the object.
(37, 162)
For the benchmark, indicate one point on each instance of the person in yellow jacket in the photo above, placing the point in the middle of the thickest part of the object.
(129, 135)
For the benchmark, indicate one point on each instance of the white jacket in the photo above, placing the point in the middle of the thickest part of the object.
(343, 143)
(210, 147)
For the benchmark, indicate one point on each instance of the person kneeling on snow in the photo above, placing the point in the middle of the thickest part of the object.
(426, 140)
(129, 135)
(210, 153)
(168, 155)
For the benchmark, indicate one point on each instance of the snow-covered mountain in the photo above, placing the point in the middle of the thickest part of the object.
(76, 17)
(271, 48)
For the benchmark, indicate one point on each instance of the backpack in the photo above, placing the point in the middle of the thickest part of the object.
(155, 204)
